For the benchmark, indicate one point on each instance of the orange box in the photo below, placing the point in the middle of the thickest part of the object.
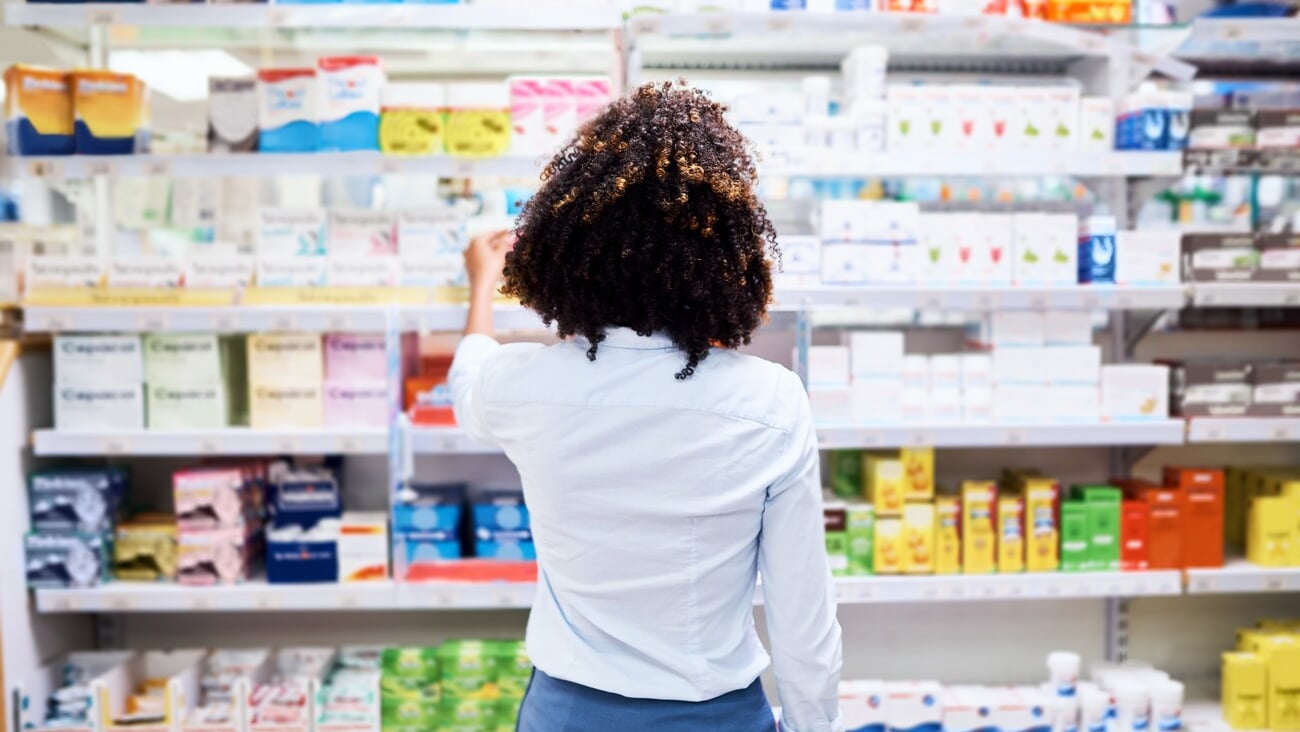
(1202, 504)
(1134, 528)
(1090, 11)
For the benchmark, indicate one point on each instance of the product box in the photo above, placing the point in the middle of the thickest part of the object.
(430, 508)
(890, 546)
(1279, 257)
(913, 705)
(285, 358)
(272, 406)
(1276, 390)
(111, 113)
(1044, 249)
(287, 110)
(74, 500)
(1134, 531)
(828, 367)
(1022, 365)
(1245, 691)
(99, 409)
(182, 359)
(862, 704)
(976, 370)
(1212, 388)
(831, 406)
(846, 473)
(947, 535)
(1011, 535)
(876, 354)
(144, 549)
(213, 557)
(1097, 255)
(1271, 531)
(1218, 129)
(212, 498)
(361, 233)
(835, 523)
(801, 262)
(233, 111)
(498, 509)
(348, 113)
(1277, 129)
(944, 404)
(1103, 506)
(860, 527)
(219, 271)
(1148, 257)
(977, 404)
(884, 483)
(506, 551)
(1068, 327)
(918, 538)
(284, 233)
(874, 400)
(1042, 536)
(411, 118)
(188, 407)
(417, 547)
(1096, 124)
(979, 526)
(1283, 654)
(1076, 554)
(292, 558)
(1017, 328)
(38, 111)
(355, 357)
(64, 560)
(356, 404)
(368, 272)
(1134, 392)
(1202, 490)
(97, 360)
(1219, 257)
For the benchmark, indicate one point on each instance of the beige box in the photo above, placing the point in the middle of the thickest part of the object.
(285, 358)
(1134, 391)
(286, 406)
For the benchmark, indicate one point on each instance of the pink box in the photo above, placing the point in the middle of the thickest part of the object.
(592, 95)
(356, 404)
(210, 498)
(560, 112)
(217, 557)
(355, 357)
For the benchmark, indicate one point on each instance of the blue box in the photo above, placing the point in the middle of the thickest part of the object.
(1097, 251)
(303, 499)
(499, 509)
(505, 550)
(65, 560)
(500, 536)
(75, 500)
(429, 507)
(299, 562)
(426, 546)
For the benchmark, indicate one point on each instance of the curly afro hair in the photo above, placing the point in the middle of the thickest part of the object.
(648, 220)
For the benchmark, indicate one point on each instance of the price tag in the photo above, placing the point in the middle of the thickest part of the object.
(1282, 434)
(920, 439)
(912, 25)
(152, 322)
(55, 323)
(1013, 437)
(930, 593)
(464, 168)
(1232, 31)
(1038, 302)
(65, 604)
(1125, 301)
(1291, 298)
(389, 165)
(284, 322)
(974, 23)
(779, 22)
(986, 302)
(223, 322)
(202, 602)
(1140, 589)
(266, 602)
(1015, 591)
(507, 599)
(208, 446)
(444, 599)
(933, 302)
(44, 169)
(276, 17)
(115, 446)
(101, 16)
(120, 602)
(1205, 298)
(989, 591)
(852, 302)
(1214, 434)
(339, 322)
(288, 445)
(1273, 584)
(96, 168)
(647, 25)
(158, 168)
(448, 444)
(957, 592)
(410, 323)
(1053, 590)
(1114, 590)
(349, 601)
(349, 445)
(1092, 302)
(1144, 59)
(1202, 585)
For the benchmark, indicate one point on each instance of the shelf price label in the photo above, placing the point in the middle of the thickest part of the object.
(1274, 584)
(1014, 437)
(201, 602)
(152, 322)
(97, 168)
(44, 169)
(208, 446)
(115, 446)
(101, 16)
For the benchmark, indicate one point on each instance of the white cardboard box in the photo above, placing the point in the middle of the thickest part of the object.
(828, 367)
(1068, 327)
(109, 407)
(1018, 328)
(1147, 257)
(876, 400)
(876, 354)
(98, 360)
(1134, 391)
(363, 547)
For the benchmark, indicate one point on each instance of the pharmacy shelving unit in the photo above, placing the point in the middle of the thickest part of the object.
(125, 613)
(1243, 429)
(1246, 294)
(1240, 577)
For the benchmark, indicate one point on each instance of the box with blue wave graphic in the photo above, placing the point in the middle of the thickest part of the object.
(350, 88)
(287, 110)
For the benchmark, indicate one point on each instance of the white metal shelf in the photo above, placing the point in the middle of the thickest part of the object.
(958, 297)
(129, 597)
(263, 165)
(587, 16)
(1240, 576)
(447, 441)
(1009, 434)
(785, 162)
(258, 318)
(1243, 429)
(1245, 294)
(231, 441)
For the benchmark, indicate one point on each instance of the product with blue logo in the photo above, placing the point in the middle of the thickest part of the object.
(1097, 248)
(427, 521)
(501, 525)
(287, 110)
(350, 88)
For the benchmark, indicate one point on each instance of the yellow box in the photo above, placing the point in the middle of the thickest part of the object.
(1042, 534)
(918, 473)
(1011, 535)
(1245, 691)
(884, 483)
(1283, 654)
(979, 540)
(285, 358)
(285, 406)
(1270, 531)
(947, 535)
(918, 537)
(889, 549)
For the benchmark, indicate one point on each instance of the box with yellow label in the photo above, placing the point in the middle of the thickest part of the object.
(38, 111)
(1283, 654)
(1042, 535)
(110, 115)
(285, 358)
(1011, 535)
(979, 540)
(918, 537)
(889, 549)
(947, 535)
(285, 406)
(1270, 531)
(1245, 691)
(884, 483)
(918, 473)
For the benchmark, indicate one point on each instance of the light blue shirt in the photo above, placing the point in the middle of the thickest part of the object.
(655, 503)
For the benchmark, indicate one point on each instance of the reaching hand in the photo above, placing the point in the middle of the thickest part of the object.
(485, 258)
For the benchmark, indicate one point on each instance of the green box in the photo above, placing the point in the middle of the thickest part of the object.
(1076, 555)
(861, 533)
(412, 664)
(846, 473)
(1104, 503)
(837, 538)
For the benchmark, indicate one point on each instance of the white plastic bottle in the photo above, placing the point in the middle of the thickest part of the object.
(1094, 708)
(1065, 713)
(1063, 668)
(1132, 708)
(1167, 706)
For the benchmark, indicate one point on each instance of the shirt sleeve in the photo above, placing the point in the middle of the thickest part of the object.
(466, 382)
(798, 593)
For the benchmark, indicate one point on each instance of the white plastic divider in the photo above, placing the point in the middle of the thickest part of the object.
(126, 597)
(1239, 576)
(966, 297)
(1246, 294)
(1010, 434)
(258, 318)
(1243, 429)
(825, 164)
(231, 441)
(588, 16)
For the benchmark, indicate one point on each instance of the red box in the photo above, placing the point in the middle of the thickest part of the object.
(1134, 536)
(1164, 521)
(1202, 514)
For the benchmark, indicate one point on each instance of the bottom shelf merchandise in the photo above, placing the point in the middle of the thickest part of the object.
(460, 686)
(1261, 677)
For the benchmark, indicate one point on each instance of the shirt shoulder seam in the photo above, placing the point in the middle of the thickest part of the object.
(768, 423)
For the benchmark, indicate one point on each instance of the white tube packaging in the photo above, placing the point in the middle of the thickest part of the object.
(1063, 667)
(1132, 708)
(1094, 708)
(1167, 706)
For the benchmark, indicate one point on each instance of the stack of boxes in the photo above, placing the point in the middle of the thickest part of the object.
(355, 391)
(427, 524)
(1236, 388)
(869, 242)
(195, 381)
(218, 523)
(285, 381)
(895, 532)
(72, 516)
(502, 529)
(1247, 138)
(98, 383)
(1261, 678)
(302, 542)
(145, 549)
(1263, 514)
(463, 684)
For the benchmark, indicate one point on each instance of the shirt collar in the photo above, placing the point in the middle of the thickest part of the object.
(627, 338)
